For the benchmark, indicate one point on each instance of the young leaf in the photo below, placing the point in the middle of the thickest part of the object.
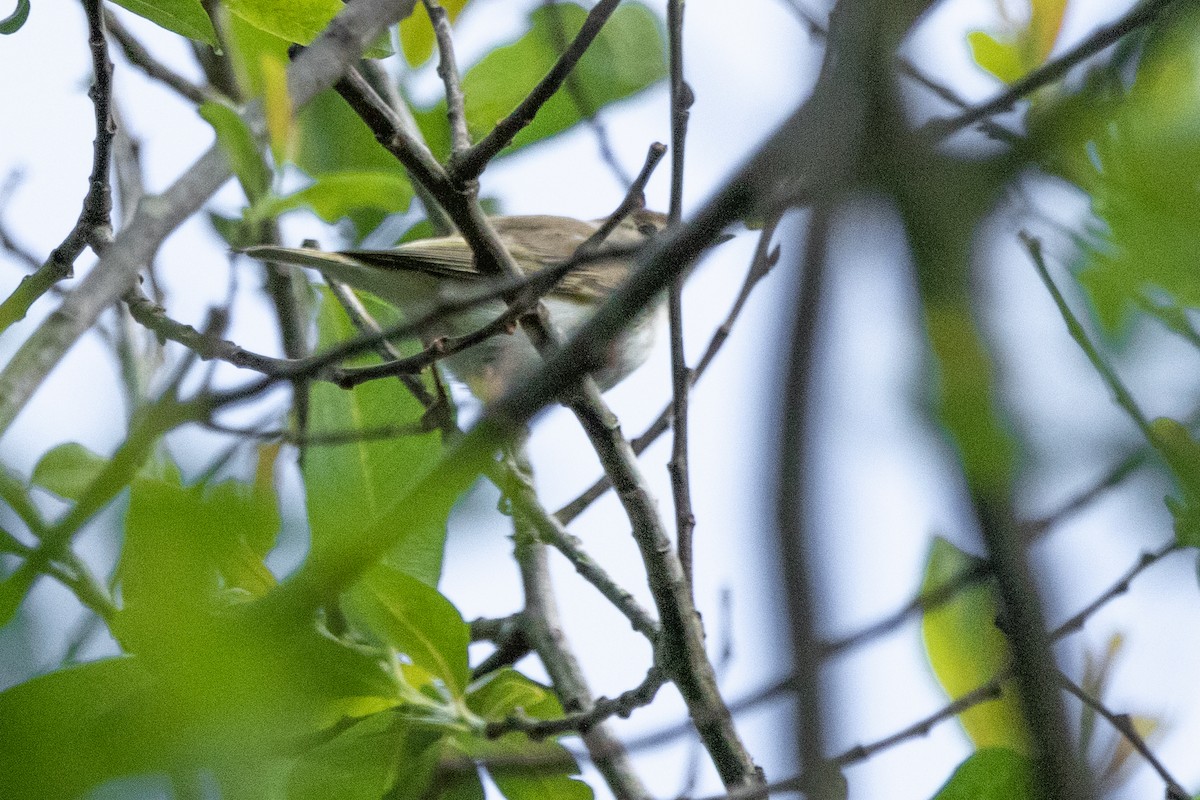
(967, 650)
(185, 17)
(1133, 151)
(1045, 23)
(1002, 59)
(991, 774)
(239, 146)
(498, 694)
(416, 620)
(67, 470)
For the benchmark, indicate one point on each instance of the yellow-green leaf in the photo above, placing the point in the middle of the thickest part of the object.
(277, 108)
(967, 650)
(1045, 23)
(416, 32)
(1002, 59)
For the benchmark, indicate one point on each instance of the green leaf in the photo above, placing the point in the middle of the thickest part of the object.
(185, 17)
(991, 774)
(335, 196)
(416, 32)
(1181, 451)
(352, 488)
(967, 650)
(67, 470)
(239, 145)
(249, 49)
(1133, 151)
(365, 761)
(297, 21)
(75, 728)
(14, 21)
(183, 544)
(1002, 59)
(334, 140)
(416, 620)
(549, 774)
(627, 57)
(498, 694)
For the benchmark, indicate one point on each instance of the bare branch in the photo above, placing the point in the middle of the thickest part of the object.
(316, 68)
(94, 217)
(460, 139)
(137, 55)
(471, 164)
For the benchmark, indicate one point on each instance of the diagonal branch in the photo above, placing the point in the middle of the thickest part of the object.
(470, 164)
(1141, 16)
(317, 68)
(97, 202)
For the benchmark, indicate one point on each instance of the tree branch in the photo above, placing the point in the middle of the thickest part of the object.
(470, 165)
(315, 69)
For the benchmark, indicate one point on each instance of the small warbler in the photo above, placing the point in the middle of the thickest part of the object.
(418, 276)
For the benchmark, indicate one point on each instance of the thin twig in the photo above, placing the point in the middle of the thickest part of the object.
(542, 627)
(447, 69)
(1120, 393)
(635, 198)
(793, 493)
(471, 164)
(550, 531)
(137, 55)
(94, 216)
(922, 603)
(355, 27)
(681, 376)
(622, 706)
(761, 262)
(1139, 17)
(1124, 726)
(1146, 560)
(318, 366)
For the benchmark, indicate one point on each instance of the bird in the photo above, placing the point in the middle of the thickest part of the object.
(419, 277)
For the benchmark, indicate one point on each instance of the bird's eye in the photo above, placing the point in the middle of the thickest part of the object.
(647, 229)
